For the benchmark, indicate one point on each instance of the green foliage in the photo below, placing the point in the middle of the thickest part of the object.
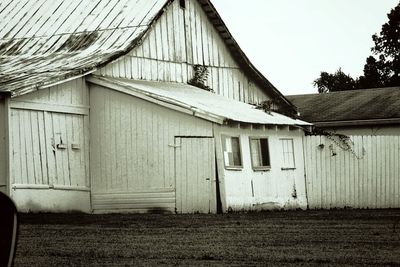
(375, 74)
(340, 140)
(277, 105)
(387, 47)
(387, 42)
(200, 77)
(334, 82)
(380, 70)
(266, 106)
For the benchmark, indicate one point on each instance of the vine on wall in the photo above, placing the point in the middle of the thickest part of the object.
(200, 77)
(342, 141)
(266, 106)
(276, 105)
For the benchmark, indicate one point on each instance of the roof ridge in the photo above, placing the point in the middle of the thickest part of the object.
(350, 91)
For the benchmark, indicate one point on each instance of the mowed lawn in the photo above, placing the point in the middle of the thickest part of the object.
(292, 238)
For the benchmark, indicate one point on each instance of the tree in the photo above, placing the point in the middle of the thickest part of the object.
(382, 69)
(375, 74)
(387, 47)
(338, 81)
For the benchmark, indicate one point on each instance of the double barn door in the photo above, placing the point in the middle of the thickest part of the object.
(49, 148)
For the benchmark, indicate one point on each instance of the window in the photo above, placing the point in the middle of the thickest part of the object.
(288, 154)
(259, 153)
(232, 153)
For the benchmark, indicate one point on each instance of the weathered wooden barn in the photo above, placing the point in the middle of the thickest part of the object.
(137, 106)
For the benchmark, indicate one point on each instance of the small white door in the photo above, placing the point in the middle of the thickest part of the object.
(195, 175)
(68, 144)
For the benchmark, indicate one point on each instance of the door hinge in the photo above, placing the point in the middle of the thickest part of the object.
(174, 146)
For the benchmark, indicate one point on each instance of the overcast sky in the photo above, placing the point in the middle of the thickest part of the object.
(292, 41)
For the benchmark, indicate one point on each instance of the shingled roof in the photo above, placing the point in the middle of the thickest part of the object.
(381, 104)
(43, 43)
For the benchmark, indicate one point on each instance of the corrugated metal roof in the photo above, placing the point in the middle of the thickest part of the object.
(42, 42)
(47, 42)
(366, 104)
(198, 102)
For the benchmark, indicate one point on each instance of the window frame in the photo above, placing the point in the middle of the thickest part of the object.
(284, 168)
(259, 168)
(231, 167)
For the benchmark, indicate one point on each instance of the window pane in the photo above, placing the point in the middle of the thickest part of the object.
(288, 153)
(237, 161)
(259, 152)
(230, 159)
(255, 154)
(231, 148)
(264, 152)
(228, 144)
(284, 152)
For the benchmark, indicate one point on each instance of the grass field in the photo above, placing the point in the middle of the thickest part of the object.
(330, 238)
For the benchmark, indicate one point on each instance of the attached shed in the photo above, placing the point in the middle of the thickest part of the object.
(353, 112)
(175, 145)
(101, 115)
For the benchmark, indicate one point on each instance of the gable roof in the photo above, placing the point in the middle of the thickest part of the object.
(43, 43)
(195, 101)
(346, 106)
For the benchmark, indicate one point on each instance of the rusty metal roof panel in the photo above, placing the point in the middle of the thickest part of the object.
(44, 42)
(198, 102)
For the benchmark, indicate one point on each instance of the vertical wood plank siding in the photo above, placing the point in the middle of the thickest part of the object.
(132, 151)
(368, 177)
(51, 147)
(180, 39)
(72, 93)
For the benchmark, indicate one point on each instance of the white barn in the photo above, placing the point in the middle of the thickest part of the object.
(139, 106)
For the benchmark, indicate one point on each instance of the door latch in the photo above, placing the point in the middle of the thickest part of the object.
(61, 146)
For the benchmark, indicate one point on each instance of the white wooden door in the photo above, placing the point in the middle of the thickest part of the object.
(195, 175)
(68, 143)
(49, 148)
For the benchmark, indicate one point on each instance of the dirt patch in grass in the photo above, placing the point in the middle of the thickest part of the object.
(294, 238)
